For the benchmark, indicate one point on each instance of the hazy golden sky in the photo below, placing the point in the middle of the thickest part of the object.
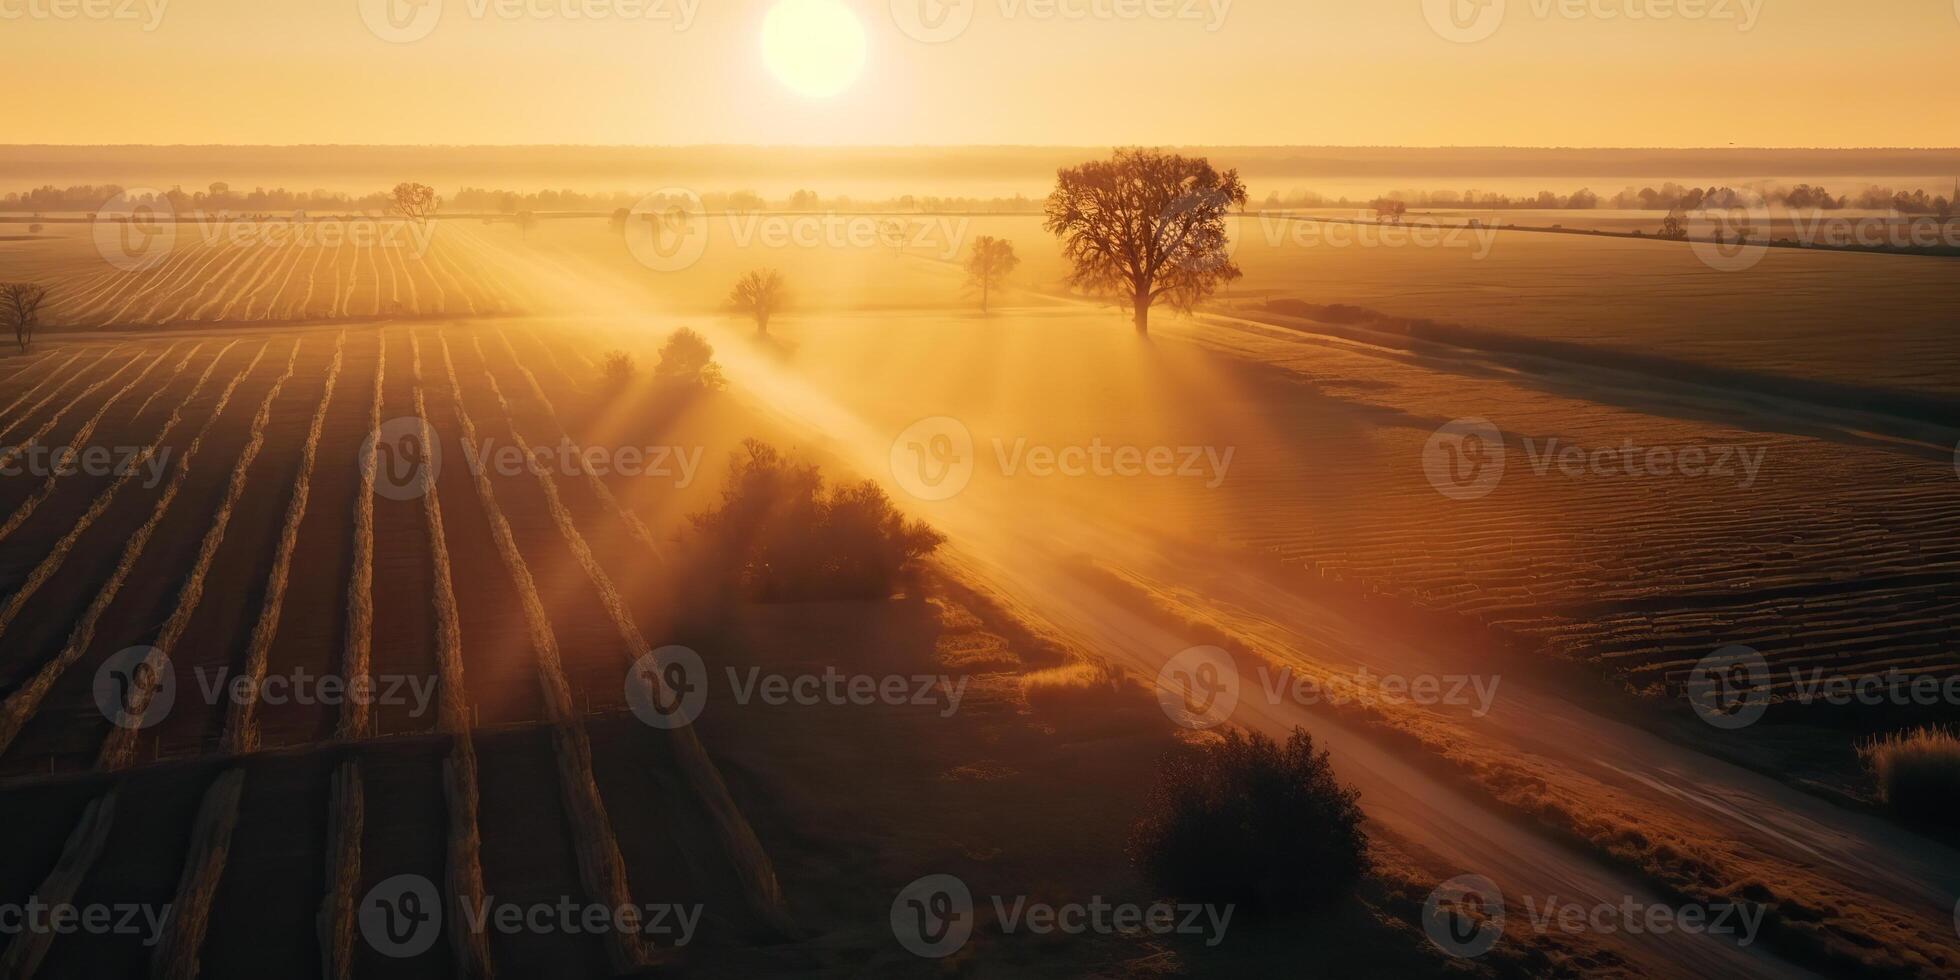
(1077, 72)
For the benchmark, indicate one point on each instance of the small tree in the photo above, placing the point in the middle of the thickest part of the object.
(20, 308)
(416, 202)
(688, 359)
(760, 295)
(1390, 210)
(992, 260)
(1147, 225)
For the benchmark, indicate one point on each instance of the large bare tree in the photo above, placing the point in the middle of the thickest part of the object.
(20, 309)
(988, 267)
(760, 295)
(1145, 226)
(416, 202)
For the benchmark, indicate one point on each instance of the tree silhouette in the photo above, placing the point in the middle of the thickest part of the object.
(760, 295)
(992, 260)
(416, 202)
(1147, 225)
(20, 308)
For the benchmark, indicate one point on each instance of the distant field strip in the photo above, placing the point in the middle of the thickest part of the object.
(212, 279)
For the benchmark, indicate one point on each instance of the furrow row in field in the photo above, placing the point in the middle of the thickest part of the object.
(8, 455)
(80, 440)
(22, 703)
(756, 874)
(15, 419)
(176, 956)
(174, 372)
(460, 768)
(78, 855)
(602, 870)
(355, 722)
(119, 750)
(242, 730)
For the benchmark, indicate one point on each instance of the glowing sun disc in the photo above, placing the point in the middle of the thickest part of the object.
(816, 47)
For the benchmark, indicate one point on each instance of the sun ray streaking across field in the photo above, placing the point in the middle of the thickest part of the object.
(634, 525)
(459, 769)
(21, 704)
(756, 874)
(78, 855)
(119, 750)
(602, 870)
(80, 439)
(355, 720)
(242, 729)
(197, 885)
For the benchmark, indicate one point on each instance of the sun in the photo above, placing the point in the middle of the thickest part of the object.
(816, 47)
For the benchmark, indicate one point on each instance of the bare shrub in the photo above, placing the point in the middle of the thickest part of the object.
(781, 535)
(1247, 821)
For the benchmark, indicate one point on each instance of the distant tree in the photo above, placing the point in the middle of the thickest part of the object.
(1672, 228)
(746, 201)
(20, 308)
(992, 260)
(36, 229)
(619, 218)
(1147, 225)
(760, 295)
(803, 201)
(1389, 209)
(526, 222)
(416, 202)
(688, 359)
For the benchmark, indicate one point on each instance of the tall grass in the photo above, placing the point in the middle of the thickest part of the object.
(197, 885)
(1917, 774)
(346, 822)
(355, 720)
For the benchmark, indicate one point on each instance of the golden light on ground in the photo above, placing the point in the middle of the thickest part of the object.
(816, 47)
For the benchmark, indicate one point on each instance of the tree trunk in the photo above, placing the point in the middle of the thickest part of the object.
(762, 323)
(1143, 315)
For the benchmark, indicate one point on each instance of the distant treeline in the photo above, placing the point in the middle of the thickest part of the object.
(1674, 197)
(221, 198)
